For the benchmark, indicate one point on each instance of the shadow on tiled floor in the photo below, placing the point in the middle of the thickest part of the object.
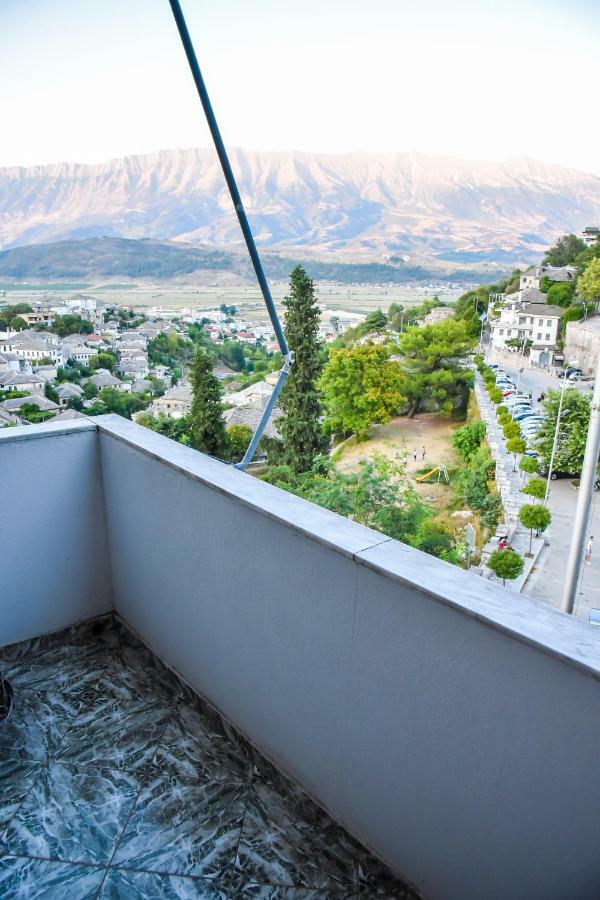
(116, 781)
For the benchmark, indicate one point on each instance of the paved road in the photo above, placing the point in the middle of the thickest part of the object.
(546, 581)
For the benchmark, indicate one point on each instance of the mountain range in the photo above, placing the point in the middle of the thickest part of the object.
(360, 206)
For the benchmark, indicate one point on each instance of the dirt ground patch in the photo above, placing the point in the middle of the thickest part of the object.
(428, 431)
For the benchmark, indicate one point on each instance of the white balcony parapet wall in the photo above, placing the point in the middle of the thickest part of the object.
(451, 725)
(55, 569)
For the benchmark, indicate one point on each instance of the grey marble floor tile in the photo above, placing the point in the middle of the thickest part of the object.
(72, 814)
(376, 880)
(240, 889)
(192, 747)
(35, 740)
(16, 778)
(126, 884)
(117, 734)
(185, 827)
(293, 844)
(30, 879)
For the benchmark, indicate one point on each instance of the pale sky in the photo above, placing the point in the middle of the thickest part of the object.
(87, 80)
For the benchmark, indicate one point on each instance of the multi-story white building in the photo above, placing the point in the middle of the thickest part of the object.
(528, 320)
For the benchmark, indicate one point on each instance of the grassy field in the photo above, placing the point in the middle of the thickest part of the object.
(358, 299)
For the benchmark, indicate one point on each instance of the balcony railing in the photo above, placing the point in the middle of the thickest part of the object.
(453, 727)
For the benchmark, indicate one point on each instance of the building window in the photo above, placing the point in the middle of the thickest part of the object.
(502, 331)
(539, 335)
(531, 320)
(549, 323)
(540, 321)
(522, 320)
(547, 337)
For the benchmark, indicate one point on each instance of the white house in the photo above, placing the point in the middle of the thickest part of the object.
(175, 403)
(530, 321)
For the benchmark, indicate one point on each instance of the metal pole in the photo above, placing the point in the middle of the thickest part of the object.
(555, 442)
(228, 173)
(584, 500)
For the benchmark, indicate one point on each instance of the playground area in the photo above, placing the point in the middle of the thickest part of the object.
(429, 432)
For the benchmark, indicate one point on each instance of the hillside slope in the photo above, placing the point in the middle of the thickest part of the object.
(455, 210)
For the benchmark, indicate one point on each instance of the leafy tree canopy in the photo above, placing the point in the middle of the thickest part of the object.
(360, 386)
(432, 361)
(565, 251)
(588, 283)
(560, 293)
(506, 564)
(575, 419)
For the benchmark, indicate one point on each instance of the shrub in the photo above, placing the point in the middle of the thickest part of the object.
(468, 439)
(511, 430)
(506, 564)
(491, 511)
(536, 487)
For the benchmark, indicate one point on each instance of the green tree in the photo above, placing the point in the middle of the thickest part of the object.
(207, 425)
(432, 359)
(496, 395)
(560, 293)
(360, 386)
(18, 324)
(516, 445)
(490, 511)
(50, 392)
(511, 429)
(588, 283)
(528, 464)
(71, 324)
(535, 487)
(467, 439)
(565, 251)
(103, 360)
(534, 517)
(506, 564)
(299, 426)
(90, 390)
(375, 321)
(239, 437)
(573, 430)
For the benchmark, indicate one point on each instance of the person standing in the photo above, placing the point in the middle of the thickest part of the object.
(423, 451)
(414, 455)
(588, 550)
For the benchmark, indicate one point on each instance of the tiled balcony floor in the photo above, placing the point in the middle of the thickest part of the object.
(116, 781)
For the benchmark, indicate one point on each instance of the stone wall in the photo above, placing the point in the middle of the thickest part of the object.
(582, 344)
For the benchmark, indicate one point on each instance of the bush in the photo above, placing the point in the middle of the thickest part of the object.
(491, 511)
(496, 395)
(471, 487)
(535, 487)
(511, 430)
(468, 439)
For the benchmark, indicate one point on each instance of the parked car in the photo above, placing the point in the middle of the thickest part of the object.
(579, 376)
(570, 370)
(522, 415)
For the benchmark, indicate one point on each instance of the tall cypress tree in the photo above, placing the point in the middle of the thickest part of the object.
(206, 417)
(299, 426)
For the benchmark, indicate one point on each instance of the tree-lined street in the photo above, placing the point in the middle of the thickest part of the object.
(547, 578)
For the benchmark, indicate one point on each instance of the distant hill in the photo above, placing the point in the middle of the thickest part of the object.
(105, 257)
(355, 205)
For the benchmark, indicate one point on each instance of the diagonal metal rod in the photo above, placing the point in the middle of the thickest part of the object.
(228, 173)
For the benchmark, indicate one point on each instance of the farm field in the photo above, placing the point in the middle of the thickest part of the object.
(356, 299)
